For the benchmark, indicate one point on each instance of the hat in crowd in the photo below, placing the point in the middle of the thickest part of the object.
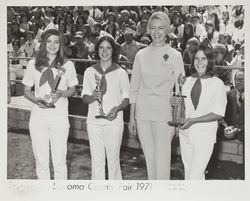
(175, 13)
(104, 33)
(129, 29)
(145, 40)
(78, 34)
(51, 25)
(193, 40)
(219, 48)
(209, 23)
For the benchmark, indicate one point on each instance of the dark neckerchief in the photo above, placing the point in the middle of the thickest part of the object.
(48, 75)
(103, 82)
(197, 88)
(99, 69)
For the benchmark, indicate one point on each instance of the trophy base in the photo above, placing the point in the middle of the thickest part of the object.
(175, 124)
(101, 117)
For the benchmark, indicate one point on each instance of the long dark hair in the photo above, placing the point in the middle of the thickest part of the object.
(186, 37)
(208, 52)
(113, 45)
(41, 59)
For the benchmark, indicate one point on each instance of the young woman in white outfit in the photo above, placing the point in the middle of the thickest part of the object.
(49, 127)
(205, 104)
(105, 134)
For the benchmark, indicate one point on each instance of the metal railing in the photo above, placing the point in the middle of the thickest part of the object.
(127, 64)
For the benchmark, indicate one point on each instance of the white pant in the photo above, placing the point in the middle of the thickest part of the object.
(105, 138)
(155, 138)
(49, 130)
(195, 157)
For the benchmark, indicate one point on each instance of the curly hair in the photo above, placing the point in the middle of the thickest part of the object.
(113, 45)
(41, 59)
(208, 52)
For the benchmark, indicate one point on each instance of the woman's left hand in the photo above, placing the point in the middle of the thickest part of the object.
(112, 114)
(187, 123)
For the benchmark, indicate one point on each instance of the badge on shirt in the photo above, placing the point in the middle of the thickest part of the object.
(165, 57)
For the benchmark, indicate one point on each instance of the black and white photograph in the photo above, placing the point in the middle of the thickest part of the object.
(141, 99)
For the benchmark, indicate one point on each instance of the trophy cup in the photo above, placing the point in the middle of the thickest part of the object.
(48, 101)
(179, 110)
(101, 114)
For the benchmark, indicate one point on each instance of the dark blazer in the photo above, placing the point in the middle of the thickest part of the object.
(234, 115)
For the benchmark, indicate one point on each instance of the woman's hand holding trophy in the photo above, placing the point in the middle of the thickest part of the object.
(177, 101)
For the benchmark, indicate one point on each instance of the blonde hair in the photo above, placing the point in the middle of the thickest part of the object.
(163, 17)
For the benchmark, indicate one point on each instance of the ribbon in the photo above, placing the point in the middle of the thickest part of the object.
(103, 81)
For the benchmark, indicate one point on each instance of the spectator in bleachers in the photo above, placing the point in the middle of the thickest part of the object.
(80, 50)
(59, 15)
(16, 65)
(110, 25)
(134, 16)
(187, 34)
(177, 28)
(29, 48)
(142, 30)
(191, 48)
(223, 74)
(75, 14)
(95, 13)
(72, 32)
(226, 25)
(66, 45)
(49, 13)
(87, 33)
(125, 19)
(97, 28)
(211, 15)
(80, 22)
(199, 29)
(211, 35)
(62, 27)
(37, 17)
(130, 47)
(16, 32)
(68, 22)
(223, 39)
(234, 121)
(193, 11)
(239, 32)
(88, 19)
(24, 23)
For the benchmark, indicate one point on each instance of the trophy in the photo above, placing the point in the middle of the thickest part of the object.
(179, 110)
(48, 101)
(101, 114)
(229, 131)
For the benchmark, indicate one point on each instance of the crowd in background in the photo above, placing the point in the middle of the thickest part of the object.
(220, 27)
